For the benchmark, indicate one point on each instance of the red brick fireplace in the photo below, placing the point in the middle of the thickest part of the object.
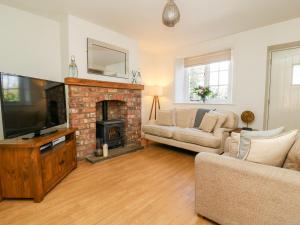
(85, 97)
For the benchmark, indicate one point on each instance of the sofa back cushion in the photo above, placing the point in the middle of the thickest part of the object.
(221, 118)
(273, 150)
(209, 122)
(165, 118)
(185, 117)
(232, 119)
(246, 137)
(199, 116)
(293, 159)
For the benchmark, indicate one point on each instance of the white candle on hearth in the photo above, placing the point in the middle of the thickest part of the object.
(105, 150)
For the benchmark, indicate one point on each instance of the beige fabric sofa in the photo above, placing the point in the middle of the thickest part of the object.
(236, 192)
(192, 138)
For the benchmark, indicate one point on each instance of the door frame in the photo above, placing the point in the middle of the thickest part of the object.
(272, 49)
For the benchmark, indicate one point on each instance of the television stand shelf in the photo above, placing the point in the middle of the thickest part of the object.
(28, 172)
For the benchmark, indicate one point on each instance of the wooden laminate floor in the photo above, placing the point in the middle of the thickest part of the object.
(154, 186)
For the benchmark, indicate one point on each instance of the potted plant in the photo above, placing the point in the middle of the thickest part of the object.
(203, 92)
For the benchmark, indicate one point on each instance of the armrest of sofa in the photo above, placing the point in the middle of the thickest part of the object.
(232, 191)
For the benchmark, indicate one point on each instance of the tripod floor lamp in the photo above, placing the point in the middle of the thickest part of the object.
(156, 92)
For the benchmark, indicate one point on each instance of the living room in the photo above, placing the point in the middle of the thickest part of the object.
(150, 112)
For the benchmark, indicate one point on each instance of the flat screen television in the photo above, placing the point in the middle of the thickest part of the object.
(30, 105)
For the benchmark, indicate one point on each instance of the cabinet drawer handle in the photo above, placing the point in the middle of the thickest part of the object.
(61, 162)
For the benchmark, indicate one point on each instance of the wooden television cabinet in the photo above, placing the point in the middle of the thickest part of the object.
(28, 172)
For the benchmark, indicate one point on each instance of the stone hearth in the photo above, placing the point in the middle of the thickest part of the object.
(84, 97)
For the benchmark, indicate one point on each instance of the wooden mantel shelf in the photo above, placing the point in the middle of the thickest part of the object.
(105, 84)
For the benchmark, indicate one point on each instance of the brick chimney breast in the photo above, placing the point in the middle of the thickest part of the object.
(84, 98)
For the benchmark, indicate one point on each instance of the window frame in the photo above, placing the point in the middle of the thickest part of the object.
(207, 71)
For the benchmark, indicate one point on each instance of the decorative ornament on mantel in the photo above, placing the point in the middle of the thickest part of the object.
(171, 14)
(73, 70)
(135, 77)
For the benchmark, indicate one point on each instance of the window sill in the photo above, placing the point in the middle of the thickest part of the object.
(201, 103)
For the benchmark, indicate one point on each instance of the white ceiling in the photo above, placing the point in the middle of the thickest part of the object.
(141, 19)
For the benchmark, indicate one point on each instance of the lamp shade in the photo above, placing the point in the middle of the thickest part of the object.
(171, 14)
(154, 90)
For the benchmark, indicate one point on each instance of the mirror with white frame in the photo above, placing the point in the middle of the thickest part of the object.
(107, 60)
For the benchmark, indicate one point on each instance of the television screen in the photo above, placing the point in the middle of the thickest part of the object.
(30, 105)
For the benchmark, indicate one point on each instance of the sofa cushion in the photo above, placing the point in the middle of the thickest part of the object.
(185, 117)
(162, 131)
(273, 150)
(198, 137)
(231, 120)
(165, 118)
(293, 159)
(199, 116)
(208, 122)
(246, 136)
(221, 118)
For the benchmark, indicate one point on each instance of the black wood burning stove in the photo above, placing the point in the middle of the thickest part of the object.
(110, 132)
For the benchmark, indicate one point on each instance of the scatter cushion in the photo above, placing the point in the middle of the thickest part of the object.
(221, 118)
(272, 150)
(246, 136)
(199, 116)
(293, 159)
(208, 122)
(185, 117)
(198, 137)
(236, 137)
(233, 144)
(229, 154)
(157, 130)
(165, 118)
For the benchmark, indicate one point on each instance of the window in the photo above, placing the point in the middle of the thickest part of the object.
(11, 90)
(296, 75)
(211, 71)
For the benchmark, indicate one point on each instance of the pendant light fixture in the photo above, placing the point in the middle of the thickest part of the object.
(171, 14)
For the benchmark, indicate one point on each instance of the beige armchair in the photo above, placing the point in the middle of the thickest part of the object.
(235, 192)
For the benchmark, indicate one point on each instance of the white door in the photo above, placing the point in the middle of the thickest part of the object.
(284, 102)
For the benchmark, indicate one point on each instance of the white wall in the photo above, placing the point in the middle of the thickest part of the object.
(29, 44)
(148, 71)
(36, 46)
(249, 65)
(78, 32)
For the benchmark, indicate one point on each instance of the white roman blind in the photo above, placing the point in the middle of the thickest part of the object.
(209, 58)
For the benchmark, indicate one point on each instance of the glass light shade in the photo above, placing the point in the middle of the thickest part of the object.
(154, 91)
(171, 14)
